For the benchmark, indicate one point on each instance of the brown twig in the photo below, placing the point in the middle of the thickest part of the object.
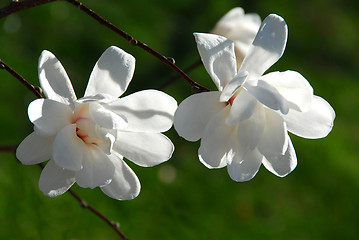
(173, 78)
(84, 204)
(168, 61)
(16, 6)
(8, 148)
(31, 87)
(25, 4)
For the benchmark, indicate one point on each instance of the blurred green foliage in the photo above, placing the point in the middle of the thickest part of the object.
(181, 199)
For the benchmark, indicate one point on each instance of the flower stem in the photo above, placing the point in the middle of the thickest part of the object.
(31, 87)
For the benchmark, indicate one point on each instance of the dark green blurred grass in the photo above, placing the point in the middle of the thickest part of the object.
(319, 200)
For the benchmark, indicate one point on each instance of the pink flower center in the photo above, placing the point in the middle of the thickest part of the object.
(85, 127)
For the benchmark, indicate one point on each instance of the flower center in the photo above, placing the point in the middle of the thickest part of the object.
(85, 127)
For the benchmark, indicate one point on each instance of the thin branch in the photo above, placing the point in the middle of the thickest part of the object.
(84, 204)
(8, 148)
(31, 87)
(187, 70)
(16, 6)
(22, 5)
(168, 61)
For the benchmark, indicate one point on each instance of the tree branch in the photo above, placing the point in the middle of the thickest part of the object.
(25, 4)
(173, 78)
(32, 88)
(8, 148)
(84, 204)
(16, 6)
(168, 61)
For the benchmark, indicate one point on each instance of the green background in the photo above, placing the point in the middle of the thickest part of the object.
(181, 199)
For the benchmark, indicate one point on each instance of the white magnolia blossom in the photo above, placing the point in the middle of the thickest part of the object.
(240, 28)
(244, 124)
(87, 138)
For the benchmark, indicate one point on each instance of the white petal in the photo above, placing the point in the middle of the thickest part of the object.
(54, 180)
(100, 98)
(269, 96)
(106, 118)
(267, 47)
(218, 57)
(107, 138)
(125, 184)
(244, 168)
(231, 88)
(250, 131)
(34, 149)
(68, 149)
(315, 123)
(97, 171)
(275, 137)
(112, 73)
(292, 87)
(242, 108)
(240, 28)
(146, 111)
(144, 149)
(282, 165)
(54, 80)
(224, 25)
(193, 114)
(49, 116)
(214, 149)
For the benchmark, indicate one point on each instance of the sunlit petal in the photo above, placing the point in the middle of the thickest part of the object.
(292, 87)
(218, 57)
(49, 116)
(54, 80)
(112, 73)
(268, 46)
(231, 88)
(282, 165)
(68, 149)
(34, 149)
(144, 149)
(194, 113)
(146, 111)
(242, 108)
(214, 144)
(106, 118)
(245, 166)
(250, 131)
(54, 180)
(125, 184)
(315, 123)
(275, 138)
(97, 170)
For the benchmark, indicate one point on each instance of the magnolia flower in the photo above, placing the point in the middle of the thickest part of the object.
(86, 139)
(240, 28)
(244, 124)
